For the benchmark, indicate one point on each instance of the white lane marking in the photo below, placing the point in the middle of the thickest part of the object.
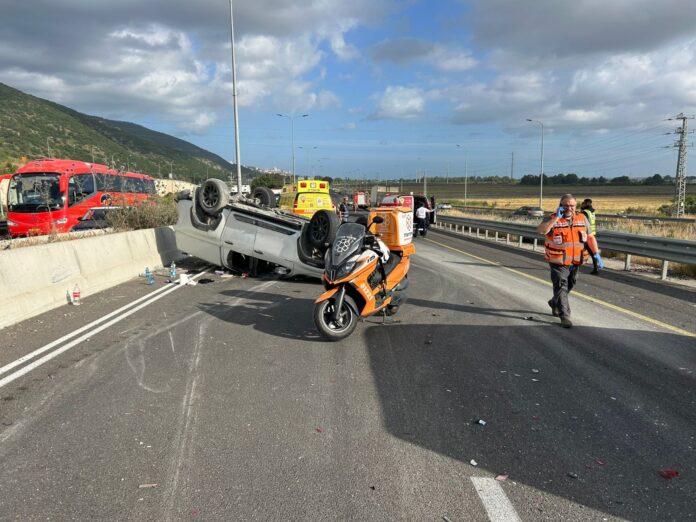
(29, 367)
(50, 345)
(498, 506)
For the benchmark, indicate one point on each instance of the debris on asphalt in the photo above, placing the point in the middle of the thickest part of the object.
(473, 462)
(319, 429)
(444, 517)
(482, 422)
(501, 478)
(600, 462)
(147, 486)
(372, 488)
(185, 279)
(534, 370)
(206, 281)
(245, 275)
(669, 473)
(219, 272)
(572, 475)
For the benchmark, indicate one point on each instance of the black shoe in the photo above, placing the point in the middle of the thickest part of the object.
(595, 272)
(566, 323)
(554, 310)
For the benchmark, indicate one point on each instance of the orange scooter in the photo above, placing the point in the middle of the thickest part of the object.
(362, 277)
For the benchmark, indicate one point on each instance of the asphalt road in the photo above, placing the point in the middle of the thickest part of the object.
(219, 401)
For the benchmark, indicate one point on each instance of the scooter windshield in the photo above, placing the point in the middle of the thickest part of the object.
(349, 239)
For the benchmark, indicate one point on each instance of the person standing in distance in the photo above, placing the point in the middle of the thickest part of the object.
(422, 220)
(567, 233)
(589, 211)
(343, 210)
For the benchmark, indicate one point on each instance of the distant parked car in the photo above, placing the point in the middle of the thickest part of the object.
(95, 218)
(444, 206)
(532, 212)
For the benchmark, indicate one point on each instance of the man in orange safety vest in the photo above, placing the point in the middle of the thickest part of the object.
(568, 235)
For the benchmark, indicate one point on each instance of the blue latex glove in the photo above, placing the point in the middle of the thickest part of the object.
(560, 212)
(600, 263)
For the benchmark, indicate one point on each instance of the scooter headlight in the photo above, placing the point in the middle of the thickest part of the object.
(341, 271)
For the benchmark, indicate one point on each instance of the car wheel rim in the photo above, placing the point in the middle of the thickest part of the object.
(210, 197)
(320, 227)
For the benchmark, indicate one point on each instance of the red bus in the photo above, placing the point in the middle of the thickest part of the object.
(49, 195)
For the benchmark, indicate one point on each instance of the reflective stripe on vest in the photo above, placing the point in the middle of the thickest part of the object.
(591, 218)
(568, 248)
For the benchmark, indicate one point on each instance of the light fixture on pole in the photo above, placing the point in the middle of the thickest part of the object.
(292, 138)
(541, 171)
(466, 172)
(234, 98)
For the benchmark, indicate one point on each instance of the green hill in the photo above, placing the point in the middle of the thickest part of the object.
(29, 126)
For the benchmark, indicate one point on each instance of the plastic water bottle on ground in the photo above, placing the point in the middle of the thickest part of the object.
(76, 295)
(172, 270)
(150, 277)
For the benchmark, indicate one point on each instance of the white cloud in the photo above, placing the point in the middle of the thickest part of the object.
(122, 64)
(401, 103)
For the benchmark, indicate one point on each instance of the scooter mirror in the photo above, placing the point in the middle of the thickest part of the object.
(378, 220)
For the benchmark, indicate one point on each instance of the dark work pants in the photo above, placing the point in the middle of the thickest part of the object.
(563, 279)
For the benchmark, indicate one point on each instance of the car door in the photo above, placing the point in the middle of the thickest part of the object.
(275, 243)
(239, 234)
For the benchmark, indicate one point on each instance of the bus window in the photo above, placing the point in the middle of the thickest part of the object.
(80, 187)
(138, 185)
(150, 186)
(34, 192)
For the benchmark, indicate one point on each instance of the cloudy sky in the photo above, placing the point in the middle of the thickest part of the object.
(391, 87)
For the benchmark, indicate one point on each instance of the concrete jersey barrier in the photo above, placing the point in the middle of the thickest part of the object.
(38, 278)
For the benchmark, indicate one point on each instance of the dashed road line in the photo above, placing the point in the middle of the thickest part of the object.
(496, 503)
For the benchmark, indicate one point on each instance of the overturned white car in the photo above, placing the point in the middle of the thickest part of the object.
(249, 235)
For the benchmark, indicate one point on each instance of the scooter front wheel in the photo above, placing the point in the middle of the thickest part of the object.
(332, 328)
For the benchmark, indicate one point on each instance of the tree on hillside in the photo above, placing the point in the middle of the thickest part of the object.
(270, 180)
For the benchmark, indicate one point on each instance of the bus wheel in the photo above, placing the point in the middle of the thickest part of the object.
(264, 196)
(322, 228)
(213, 196)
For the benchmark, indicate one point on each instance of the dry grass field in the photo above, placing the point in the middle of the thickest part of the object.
(643, 204)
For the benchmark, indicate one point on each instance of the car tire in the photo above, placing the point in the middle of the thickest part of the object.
(213, 196)
(264, 197)
(322, 228)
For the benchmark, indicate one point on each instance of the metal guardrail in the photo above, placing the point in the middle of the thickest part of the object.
(662, 248)
(606, 217)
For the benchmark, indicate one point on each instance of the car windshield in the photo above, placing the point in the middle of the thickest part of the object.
(349, 239)
(35, 192)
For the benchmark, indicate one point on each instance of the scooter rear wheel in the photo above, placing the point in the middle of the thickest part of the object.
(328, 327)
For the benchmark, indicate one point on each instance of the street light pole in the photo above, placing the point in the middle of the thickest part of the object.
(466, 173)
(292, 138)
(541, 172)
(234, 97)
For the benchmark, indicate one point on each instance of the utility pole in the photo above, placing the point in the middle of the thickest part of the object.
(48, 146)
(238, 158)
(512, 166)
(680, 181)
